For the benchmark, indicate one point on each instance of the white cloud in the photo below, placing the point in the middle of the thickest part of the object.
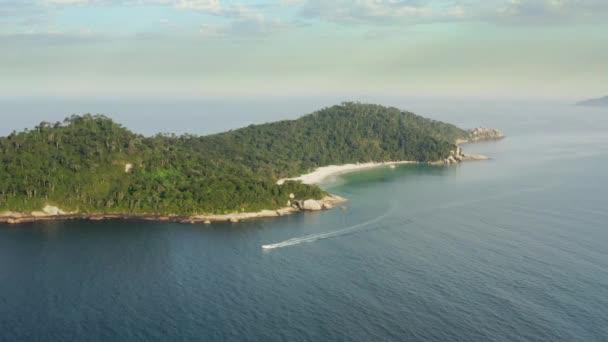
(245, 23)
(457, 12)
(365, 11)
(197, 5)
(212, 6)
(237, 19)
(68, 2)
(551, 11)
(398, 12)
(246, 19)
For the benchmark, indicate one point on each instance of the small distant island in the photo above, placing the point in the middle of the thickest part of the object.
(599, 102)
(89, 167)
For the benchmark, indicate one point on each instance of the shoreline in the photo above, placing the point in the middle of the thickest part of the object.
(322, 173)
(326, 203)
(315, 177)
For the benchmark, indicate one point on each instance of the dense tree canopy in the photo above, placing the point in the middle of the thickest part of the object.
(347, 133)
(79, 164)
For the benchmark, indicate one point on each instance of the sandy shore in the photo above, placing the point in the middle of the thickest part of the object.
(321, 174)
(324, 172)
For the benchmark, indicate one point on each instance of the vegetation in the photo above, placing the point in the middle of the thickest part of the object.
(79, 164)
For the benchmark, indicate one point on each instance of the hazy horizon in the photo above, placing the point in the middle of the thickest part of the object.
(202, 115)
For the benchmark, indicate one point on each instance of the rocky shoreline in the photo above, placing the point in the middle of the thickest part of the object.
(51, 213)
(481, 134)
(458, 156)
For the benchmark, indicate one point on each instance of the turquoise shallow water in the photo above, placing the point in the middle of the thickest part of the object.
(511, 249)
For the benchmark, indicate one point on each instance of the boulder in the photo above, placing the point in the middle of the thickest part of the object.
(12, 214)
(268, 213)
(285, 211)
(311, 205)
(52, 210)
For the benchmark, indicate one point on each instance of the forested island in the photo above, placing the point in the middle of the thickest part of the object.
(91, 167)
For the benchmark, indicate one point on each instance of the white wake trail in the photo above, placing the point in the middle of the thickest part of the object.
(425, 212)
(320, 236)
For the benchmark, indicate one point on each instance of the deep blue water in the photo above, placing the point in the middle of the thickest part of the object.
(511, 249)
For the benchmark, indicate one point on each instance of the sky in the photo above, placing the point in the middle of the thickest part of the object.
(232, 48)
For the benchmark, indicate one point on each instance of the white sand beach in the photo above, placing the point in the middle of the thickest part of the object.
(324, 172)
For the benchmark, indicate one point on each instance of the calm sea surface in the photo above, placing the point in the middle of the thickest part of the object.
(511, 249)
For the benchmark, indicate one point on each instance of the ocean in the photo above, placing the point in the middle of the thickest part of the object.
(510, 249)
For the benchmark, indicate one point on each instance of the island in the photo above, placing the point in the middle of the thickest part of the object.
(90, 167)
(599, 102)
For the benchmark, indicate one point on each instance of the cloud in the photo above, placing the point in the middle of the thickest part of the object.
(356, 12)
(235, 19)
(240, 19)
(54, 37)
(403, 12)
(551, 11)
(212, 6)
(198, 5)
(68, 2)
(10, 9)
(245, 23)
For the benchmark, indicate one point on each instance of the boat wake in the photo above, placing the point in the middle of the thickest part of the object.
(321, 236)
(425, 213)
